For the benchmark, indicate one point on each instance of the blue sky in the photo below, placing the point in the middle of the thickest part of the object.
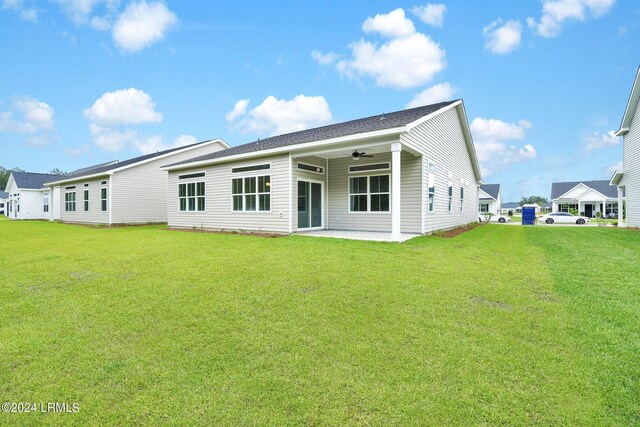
(544, 82)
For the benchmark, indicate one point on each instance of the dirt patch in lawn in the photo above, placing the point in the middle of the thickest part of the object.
(447, 234)
(490, 303)
(241, 233)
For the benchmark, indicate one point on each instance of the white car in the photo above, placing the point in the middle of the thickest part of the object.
(563, 218)
(494, 218)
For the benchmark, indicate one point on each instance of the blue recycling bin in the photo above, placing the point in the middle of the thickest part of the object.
(529, 216)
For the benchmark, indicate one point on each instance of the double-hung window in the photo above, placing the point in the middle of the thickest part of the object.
(103, 199)
(86, 200)
(450, 196)
(191, 196)
(251, 193)
(45, 208)
(431, 191)
(70, 201)
(369, 193)
(461, 198)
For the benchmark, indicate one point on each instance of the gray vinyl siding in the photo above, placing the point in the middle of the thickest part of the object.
(631, 176)
(95, 214)
(339, 217)
(139, 193)
(312, 176)
(442, 142)
(219, 214)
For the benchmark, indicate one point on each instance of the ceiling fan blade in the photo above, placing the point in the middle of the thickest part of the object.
(366, 155)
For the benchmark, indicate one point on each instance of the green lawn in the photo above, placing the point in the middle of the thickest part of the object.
(146, 326)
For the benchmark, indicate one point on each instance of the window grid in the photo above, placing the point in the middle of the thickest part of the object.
(70, 201)
(191, 197)
(86, 200)
(369, 193)
(251, 193)
(103, 199)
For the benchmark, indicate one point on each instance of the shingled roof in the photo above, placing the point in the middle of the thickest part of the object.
(491, 189)
(560, 188)
(116, 164)
(34, 181)
(367, 124)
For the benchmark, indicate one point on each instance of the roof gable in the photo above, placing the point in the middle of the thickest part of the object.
(632, 106)
(33, 181)
(565, 190)
(368, 124)
(492, 190)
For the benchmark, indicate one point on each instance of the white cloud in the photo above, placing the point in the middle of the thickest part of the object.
(77, 10)
(125, 106)
(598, 140)
(493, 154)
(408, 59)
(556, 12)
(393, 24)
(277, 116)
(110, 139)
(436, 93)
(142, 24)
(610, 170)
(28, 14)
(101, 23)
(324, 58)
(29, 117)
(400, 63)
(239, 109)
(432, 14)
(502, 37)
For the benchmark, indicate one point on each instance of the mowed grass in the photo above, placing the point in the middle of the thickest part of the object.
(148, 326)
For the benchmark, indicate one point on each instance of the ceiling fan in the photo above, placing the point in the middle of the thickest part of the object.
(356, 155)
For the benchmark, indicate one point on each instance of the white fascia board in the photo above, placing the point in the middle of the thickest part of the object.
(632, 104)
(594, 190)
(80, 178)
(616, 178)
(289, 148)
(570, 190)
(432, 115)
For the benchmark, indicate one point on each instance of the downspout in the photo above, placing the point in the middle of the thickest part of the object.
(109, 199)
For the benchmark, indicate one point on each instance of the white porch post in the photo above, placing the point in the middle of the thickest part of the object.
(620, 205)
(396, 152)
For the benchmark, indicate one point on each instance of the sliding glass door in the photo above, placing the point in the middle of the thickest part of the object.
(309, 204)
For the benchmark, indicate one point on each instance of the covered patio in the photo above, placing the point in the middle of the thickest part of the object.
(376, 236)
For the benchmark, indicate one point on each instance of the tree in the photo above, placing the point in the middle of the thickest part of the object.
(4, 176)
(533, 199)
(57, 171)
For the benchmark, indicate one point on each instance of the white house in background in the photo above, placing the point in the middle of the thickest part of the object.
(587, 197)
(29, 197)
(536, 206)
(132, 191)
(397, 175)
(628, 180)
(3, 199)
(490, 197)
(513, 207)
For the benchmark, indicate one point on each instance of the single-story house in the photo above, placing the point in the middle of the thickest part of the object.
(513, 207)
(627, 181)
(3, 199)
(396, 174)
(586, 197)
(490, 197)
(132, 191)
(547, 207)
(29, 197)
(536, 206)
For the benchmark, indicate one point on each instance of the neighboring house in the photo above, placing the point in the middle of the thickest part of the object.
(547, 207)
(586, 197)
(490, 197)
(3, 200)
(29, 197)
(513, 207)
(132, 191)
(419, 174)
(628, 180)
(536, 206)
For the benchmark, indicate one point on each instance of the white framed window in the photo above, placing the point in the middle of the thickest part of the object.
(45, 207)
(251, 193)
(86, 200)
(450, 197)
(431, 192)
(461, 198)
(70, 201)
(191, 196)
(103, 199)
(369, 193)
(484, 207)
